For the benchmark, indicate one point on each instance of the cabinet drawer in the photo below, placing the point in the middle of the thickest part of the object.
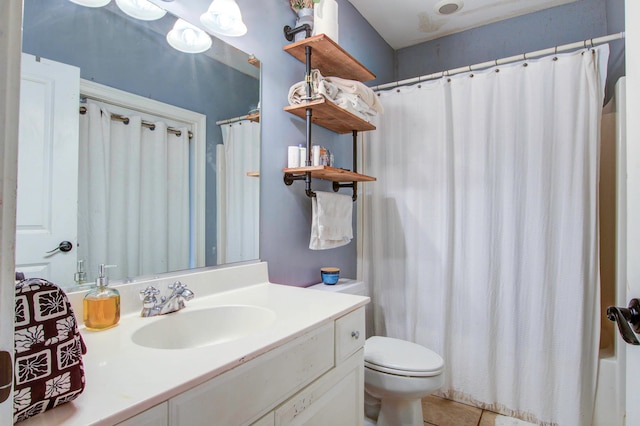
(350, 334)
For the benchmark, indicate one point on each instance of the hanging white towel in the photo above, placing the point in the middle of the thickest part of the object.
(331, 221)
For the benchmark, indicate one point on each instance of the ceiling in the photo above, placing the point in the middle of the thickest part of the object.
(404, 23)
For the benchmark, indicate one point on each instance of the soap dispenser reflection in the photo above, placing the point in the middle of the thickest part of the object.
(101, 304)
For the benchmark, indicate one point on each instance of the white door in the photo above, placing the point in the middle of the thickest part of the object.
(10, 22)
(48, 170)
(632, 15)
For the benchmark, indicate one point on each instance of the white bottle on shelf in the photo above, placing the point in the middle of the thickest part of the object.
(315, 151)
(303, 156)
(325, 19)
(293, 159)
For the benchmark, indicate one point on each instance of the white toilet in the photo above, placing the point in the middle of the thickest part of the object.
(397, 373)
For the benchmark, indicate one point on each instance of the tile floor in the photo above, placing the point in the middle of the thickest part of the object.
(443, 412)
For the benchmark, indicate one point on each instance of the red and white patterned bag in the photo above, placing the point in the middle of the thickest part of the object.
(48, 349)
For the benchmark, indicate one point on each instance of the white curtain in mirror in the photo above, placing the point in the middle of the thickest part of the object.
(133, 196)
(481, 235)
(238, 160)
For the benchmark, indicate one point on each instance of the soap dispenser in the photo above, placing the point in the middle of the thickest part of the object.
(101, 304)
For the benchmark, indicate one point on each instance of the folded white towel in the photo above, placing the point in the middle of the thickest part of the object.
(352, 86)
(346, 104)
(298, 93)
(331, 220)
(348, 94)
(353, 102)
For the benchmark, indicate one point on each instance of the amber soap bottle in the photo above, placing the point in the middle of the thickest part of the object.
(101, 304)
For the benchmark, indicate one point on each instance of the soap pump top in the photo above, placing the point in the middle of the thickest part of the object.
(101, 304)
(103, 280)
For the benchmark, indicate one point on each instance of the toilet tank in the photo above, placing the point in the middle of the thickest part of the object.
(349, 286)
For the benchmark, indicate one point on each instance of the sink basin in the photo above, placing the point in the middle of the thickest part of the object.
(188, 329)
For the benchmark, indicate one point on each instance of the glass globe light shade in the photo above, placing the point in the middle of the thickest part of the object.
(141, 9)
(223, 17)
(188, 38)
(91, 3)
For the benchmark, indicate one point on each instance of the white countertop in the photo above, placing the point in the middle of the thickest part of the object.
(124, 379)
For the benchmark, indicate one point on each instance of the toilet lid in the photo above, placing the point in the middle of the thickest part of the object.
(395, 356)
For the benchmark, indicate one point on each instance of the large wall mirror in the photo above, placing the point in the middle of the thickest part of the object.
(121, 60)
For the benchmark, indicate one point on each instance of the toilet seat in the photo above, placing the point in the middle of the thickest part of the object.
(400, 357)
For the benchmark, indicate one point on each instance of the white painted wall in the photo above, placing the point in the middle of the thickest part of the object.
(632, 10)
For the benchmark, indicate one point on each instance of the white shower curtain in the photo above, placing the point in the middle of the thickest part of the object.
(480, 234)
(238, 200)
(133, 196)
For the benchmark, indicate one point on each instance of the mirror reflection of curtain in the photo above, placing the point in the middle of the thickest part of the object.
(238, 193)
(133, 182)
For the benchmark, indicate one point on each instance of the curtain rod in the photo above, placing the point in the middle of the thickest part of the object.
(147, 124)
(564, 48)
(250, 117)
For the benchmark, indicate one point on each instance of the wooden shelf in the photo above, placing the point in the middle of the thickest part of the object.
(330, 173)
(331, 116)
(254, 61)
(330, 58)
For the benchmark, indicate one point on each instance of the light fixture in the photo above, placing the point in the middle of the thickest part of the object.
(91, 3)
(223, 17)
(188, 38)
(141, 9)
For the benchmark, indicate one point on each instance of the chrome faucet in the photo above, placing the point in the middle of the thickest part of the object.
(152, 307)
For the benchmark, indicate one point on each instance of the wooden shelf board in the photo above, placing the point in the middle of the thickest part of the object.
(330, 173)
(254, 61)
(330, 58)
(331, 116)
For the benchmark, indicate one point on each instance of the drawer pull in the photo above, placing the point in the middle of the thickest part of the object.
(355, 334)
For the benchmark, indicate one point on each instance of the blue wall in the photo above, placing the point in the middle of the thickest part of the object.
(285, 215)
(136, 59)
(285, 218)
(285, 211)
(564, 24)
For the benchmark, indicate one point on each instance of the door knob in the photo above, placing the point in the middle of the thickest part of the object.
(64, 247)
(627, 318)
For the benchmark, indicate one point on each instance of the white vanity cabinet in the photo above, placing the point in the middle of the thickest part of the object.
(316, 379)
(305, 367)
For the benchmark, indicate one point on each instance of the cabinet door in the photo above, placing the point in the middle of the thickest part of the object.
(335, 399)
(249, 391)
(156, 416)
